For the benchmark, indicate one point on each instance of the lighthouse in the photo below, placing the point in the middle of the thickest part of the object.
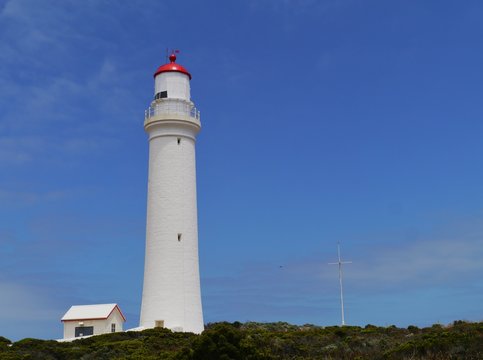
(171, 291)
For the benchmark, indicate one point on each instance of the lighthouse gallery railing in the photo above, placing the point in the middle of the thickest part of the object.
(171, 107)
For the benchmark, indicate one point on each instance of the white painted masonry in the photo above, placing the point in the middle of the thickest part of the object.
(171, 291)
(99, 316)
(179, 88)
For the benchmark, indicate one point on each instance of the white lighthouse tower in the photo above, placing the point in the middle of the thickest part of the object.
(171, 292)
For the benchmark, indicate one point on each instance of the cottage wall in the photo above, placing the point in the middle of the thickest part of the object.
(102, 326)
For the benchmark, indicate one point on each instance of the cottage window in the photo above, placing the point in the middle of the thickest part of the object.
(84, 331)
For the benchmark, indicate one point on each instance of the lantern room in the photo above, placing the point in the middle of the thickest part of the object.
(172, 81)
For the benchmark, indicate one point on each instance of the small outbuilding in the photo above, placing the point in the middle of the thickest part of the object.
(85, 320)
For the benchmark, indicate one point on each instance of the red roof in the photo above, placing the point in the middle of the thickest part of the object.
(172, 66)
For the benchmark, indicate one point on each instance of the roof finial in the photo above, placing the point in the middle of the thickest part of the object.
(172, 57)
(172, 66)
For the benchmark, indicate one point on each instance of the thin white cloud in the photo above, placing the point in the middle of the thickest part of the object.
(18, 150)
(297, 7)
(39, 91)
(285, 5)
(25, 198)
(414, 264)
(432, 266)
(425, 263)
(61, 103)
(19, 302)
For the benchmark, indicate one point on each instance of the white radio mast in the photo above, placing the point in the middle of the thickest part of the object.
(340, 262)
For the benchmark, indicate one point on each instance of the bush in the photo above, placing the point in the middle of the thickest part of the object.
(4, 343)
(256, 341)
(413, 329)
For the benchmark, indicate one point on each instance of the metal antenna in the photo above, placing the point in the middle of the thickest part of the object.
(340, 262)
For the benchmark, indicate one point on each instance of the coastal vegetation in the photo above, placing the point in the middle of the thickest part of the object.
(264, 341)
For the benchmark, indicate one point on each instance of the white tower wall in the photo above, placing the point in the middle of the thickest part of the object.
(171, 290)
(176, 84)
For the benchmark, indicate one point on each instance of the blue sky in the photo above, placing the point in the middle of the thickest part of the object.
(323, 121)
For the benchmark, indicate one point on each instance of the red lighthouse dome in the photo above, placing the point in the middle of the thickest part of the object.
(172, 67)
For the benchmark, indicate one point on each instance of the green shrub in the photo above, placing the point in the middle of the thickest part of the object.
(262, 341)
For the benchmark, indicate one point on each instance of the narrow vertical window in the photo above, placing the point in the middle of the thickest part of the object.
(179, 141)
(179, 237)
(113, 327)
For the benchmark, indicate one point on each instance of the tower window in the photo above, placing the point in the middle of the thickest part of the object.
(179, 141)
(179, 237)
(161, 95)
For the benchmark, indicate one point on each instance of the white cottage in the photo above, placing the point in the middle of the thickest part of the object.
(84, 320)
